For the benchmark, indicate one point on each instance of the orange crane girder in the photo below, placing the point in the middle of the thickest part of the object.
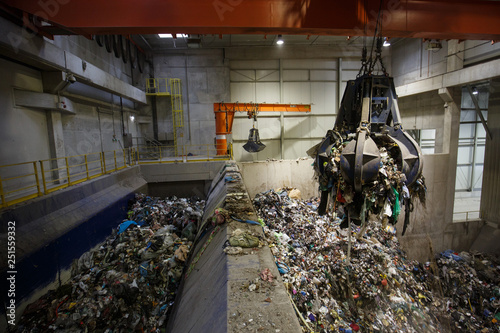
(224, 116)
(440, 19)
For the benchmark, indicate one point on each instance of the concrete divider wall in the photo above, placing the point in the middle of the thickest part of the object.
(214, 297)
(266, 175)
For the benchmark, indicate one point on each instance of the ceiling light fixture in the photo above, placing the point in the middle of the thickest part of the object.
(171, 36)
(280, 40)
(433, 46)
(386, 42)
(132, 118)
(474, 91)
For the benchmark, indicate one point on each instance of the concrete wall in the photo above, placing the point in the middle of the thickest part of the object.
(31, 134)
(412, 62)
(23, 132)
(265, 175)
(210, 296)
(53, 230)
(490, 209)
(205, 80)
(89, 50)
(171, 178)
(432, 224)
(424, 111)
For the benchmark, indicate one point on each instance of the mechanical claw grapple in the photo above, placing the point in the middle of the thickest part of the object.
(368, 122)
(369, 112)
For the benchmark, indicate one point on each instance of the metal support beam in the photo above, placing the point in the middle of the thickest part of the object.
(43, 101)
(15, 43)
(478, 111)
(477, 73)
(474, 154)
(282, 115)
(261, 107)
(339, 83)
(440, 19)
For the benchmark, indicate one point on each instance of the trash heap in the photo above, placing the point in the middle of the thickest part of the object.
(471, 286)
(130, 282)
(371, 286)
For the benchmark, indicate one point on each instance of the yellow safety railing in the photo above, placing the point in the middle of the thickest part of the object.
(176, 154)
(19, 182)
(23, 181)
(157, 86)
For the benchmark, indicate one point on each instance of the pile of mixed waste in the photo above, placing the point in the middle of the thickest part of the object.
(130, 282)
(343, 280)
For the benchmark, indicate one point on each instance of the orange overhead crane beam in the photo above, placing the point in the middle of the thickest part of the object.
(439, 19)
(224, 116)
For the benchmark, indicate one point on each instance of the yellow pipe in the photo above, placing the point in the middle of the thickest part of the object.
(67, 170)
(87, 167)
(37, 180)
(16, 164)
(43, 178)
(13, 202)
(104, 162)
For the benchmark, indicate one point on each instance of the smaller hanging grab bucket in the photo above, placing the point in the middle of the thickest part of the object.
(254, 145)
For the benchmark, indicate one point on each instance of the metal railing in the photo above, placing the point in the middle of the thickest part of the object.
(23, 181)
(179, 154)
(466, 216)
(157, 86)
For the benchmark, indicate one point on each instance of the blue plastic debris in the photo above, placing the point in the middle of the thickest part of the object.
(451, 254)
(125, 225)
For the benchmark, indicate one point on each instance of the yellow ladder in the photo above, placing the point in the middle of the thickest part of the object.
(177, 108)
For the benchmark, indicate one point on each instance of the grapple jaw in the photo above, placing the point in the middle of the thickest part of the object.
(370, 107)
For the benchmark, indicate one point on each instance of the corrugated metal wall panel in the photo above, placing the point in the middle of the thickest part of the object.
(304, 81)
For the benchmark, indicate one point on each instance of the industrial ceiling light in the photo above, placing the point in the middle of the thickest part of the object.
(433, 46)
(280, 40)
(171, 36)
(386, 42)
(474, 91)
(132, 118)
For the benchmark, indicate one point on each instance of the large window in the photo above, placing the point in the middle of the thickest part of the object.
(470, 159)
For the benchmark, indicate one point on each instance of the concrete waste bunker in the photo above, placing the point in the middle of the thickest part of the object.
(207, 283)
(286, 269)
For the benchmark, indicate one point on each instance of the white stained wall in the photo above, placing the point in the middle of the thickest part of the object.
(23, 131)
(289, 80)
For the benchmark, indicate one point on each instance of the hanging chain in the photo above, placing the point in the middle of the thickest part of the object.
(364, 63)
(368, 64)
(378, 57)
